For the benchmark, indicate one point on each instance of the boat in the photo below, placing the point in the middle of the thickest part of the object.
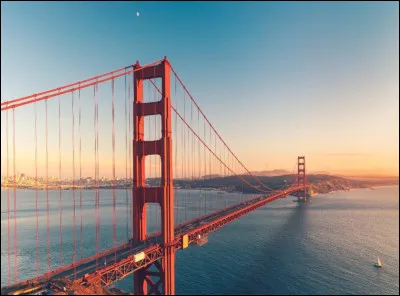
(201, 240)
(378, 264)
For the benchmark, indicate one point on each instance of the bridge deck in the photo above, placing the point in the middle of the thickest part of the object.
(120, 261)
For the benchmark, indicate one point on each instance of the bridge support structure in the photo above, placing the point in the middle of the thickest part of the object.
(159, 277)
(301, 178)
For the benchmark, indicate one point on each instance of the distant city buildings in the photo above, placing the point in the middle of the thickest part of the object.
(24, 181)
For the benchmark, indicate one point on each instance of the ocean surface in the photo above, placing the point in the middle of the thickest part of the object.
(327, 246)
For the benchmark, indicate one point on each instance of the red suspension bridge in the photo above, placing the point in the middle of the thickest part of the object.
(165, 152)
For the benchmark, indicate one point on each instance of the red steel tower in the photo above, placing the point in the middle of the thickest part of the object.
(159, 277)
(301, 178)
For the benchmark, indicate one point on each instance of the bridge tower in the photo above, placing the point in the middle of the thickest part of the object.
(301, 178)
(161, 279)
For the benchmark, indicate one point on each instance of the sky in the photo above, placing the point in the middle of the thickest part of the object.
(276, 79)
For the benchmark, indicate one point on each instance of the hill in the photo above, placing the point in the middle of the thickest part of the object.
(320, 183)
(271, 173)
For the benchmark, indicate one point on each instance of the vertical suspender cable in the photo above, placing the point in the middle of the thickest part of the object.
(80, 173)
(183, 160)
(47, 196)
(36, 195)
(15, 208)
(205, 161)
(8, 207)
(223, 169)
(98, 165)
(183, 138)
(98, 169)
(59, 173)
(200, 166)
(73, 176)
(184, 145)
(95, 164)
(158, 215)
(113, 168)
(130, 147)
(209, 166)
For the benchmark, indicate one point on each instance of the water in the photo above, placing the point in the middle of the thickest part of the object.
(328, 246)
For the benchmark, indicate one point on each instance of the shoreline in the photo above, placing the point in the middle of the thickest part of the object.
(219, 191)
(355, 188)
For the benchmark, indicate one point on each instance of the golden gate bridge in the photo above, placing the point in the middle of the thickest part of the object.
(166, 138)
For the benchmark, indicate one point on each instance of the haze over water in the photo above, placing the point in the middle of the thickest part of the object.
(328, 246)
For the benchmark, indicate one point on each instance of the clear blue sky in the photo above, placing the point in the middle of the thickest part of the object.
(276, 79)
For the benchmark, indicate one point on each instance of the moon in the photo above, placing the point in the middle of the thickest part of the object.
(137, 13)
